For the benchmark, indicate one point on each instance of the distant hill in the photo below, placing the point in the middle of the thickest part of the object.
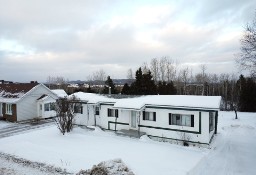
(116, 82)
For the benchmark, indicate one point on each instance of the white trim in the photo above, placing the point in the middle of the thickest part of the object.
(8, 108)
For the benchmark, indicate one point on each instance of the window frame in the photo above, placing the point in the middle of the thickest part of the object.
(49, 107)
(8, 108)
(211, 121)
(186, 120)
(112, 112)
(78, 108)
(97, 110)
(149, 116)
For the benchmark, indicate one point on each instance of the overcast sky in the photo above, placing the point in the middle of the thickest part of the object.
(74, 38)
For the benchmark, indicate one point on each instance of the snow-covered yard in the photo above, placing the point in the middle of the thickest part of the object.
(233, 150)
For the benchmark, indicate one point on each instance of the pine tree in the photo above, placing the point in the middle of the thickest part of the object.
(109, 83)
(126, 89)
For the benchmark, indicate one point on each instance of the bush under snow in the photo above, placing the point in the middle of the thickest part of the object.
(111, 167)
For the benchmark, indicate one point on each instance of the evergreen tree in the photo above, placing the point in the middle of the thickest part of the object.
(126, 89)
(166, 88)
(109, 83)
(247, 98)
(144, 84)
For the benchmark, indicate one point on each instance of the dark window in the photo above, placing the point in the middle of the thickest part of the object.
(211, 121)
(181, 120)
(97, 110)
(151, 116)
(78, 108)
(112, 112)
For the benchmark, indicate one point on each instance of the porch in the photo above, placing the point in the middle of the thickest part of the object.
(130, 133)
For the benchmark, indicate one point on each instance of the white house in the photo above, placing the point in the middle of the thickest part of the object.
(164, 117)
(24, 101)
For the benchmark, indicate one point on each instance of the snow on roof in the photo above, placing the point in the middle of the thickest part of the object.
(60, 92)
(11, 93)
(170, 100)
(93, 98)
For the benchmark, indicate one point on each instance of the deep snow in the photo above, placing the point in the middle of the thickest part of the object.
(233, 150)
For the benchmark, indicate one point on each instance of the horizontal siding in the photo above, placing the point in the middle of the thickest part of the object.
(27, 107)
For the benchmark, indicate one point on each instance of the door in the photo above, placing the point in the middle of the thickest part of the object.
(40, 111)
(133, 121)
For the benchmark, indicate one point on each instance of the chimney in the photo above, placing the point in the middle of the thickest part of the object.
(109, 91)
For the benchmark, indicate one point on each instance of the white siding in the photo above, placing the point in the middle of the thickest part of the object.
(27, 107)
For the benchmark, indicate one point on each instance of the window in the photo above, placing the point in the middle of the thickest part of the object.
(211, 121)
(78, 108)
(9, 109)
(112, 112)
(49, 106)
(181, 120)
(151, 116)
(97, 110)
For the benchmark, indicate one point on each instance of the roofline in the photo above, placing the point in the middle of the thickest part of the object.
(170, 107)
(33, 89)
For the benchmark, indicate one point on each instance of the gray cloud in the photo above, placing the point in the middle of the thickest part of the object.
(75, 38)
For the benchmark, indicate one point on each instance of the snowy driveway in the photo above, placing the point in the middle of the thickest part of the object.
(234, 150)
(9, 129)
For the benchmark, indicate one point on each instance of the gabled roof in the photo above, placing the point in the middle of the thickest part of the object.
(14, 91)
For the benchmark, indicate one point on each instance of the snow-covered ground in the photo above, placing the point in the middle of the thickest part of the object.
(233, 150)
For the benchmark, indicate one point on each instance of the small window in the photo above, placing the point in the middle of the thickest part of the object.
(112, 112)
(151, 116)
(211, 121)
(97, 110)
(9, 109)
(49, 106)
(181, 120)
(78, 108)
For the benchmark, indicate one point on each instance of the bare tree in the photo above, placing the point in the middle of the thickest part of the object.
(99, 75)
(247, 56)
(171, 70)
(145, 68)
(56, 82)
(184, 75)
(65, 114)
(162, 68)
(154, 67)
(130, 74)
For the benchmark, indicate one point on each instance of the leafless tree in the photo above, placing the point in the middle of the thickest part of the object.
(154, 67)
(145, 68)
(99, 75)
(171, 69)
(65, 114)
(184, 75)
(247, 56)
(162, 68)
(56, 82)
(130, 74)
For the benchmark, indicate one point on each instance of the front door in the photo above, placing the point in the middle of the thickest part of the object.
(133, 121)
(40, 110)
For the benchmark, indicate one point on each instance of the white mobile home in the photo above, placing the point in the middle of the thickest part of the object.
(168, 117)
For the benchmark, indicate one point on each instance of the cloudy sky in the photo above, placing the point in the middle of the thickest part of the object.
(74, 38)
